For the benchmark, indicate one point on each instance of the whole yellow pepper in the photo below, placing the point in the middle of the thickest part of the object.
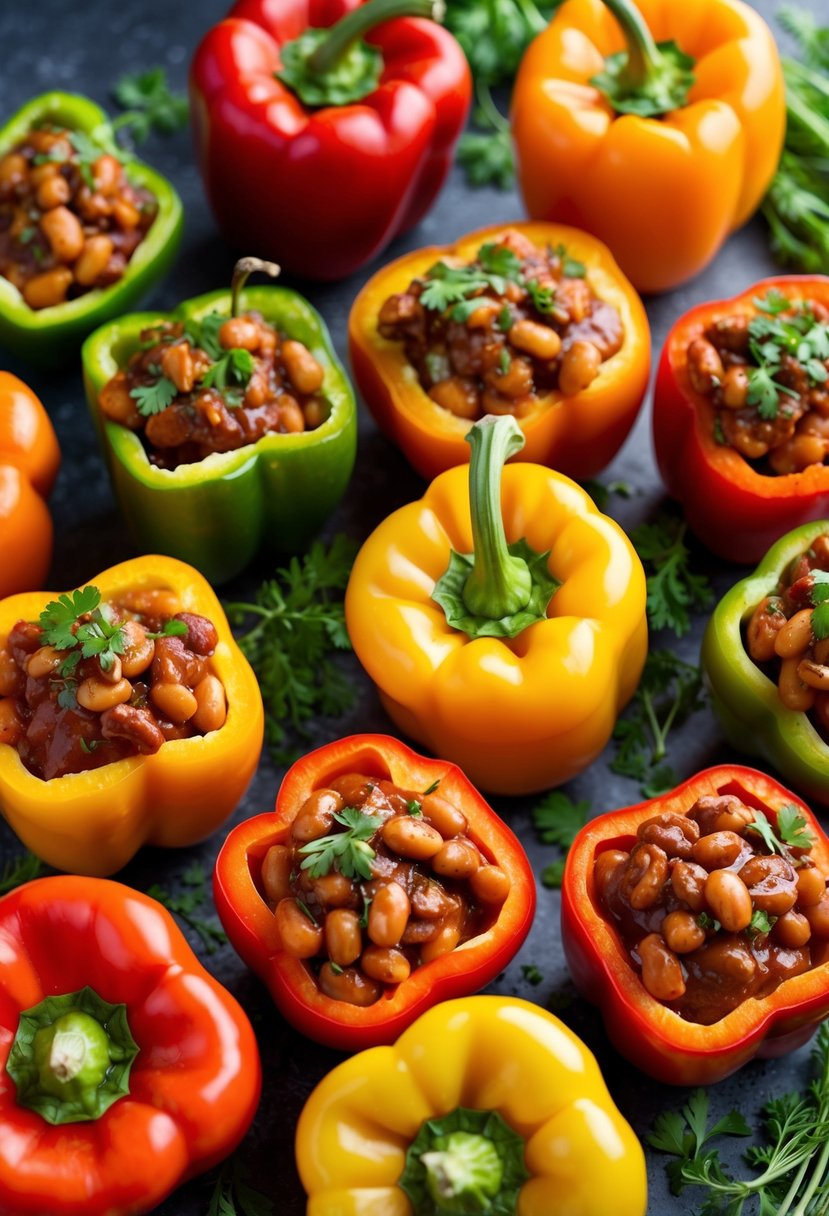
(481, 1097)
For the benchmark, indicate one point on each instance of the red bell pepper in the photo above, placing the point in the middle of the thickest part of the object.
(317, 149)
(735, 511)
(251, 925)
(109, 1024)
(646, 1032)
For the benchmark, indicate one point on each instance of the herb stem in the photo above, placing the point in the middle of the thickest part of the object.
(488, 107)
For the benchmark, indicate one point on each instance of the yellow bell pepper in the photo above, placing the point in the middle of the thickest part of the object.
(523, 690)
(481, 1097)
(93, 822)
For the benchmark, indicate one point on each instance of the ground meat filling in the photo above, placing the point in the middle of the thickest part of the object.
(788, 635)
(66, 720)
(375, 881)
(708, 913)
(766, 377)
(68, 224)
(497, 335)
(214, 385)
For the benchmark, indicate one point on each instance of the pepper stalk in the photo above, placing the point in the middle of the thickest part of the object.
(648, 78)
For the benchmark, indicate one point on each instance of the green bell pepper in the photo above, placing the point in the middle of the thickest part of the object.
(51, 334)
(753, 718)
(272, 495)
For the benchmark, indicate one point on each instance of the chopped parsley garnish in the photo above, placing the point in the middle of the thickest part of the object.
(347, 852)
(792, 830)
(760, 923)
(674, 591)
(204, 333)
(708, 922)
(414, 808)
(504, 361)
(570, 267)
(432, 787)
(772, 336)
(458, 287)
(235, 366)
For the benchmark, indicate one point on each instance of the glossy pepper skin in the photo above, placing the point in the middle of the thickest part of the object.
(219, 513)
(645, 1031)
(49, 335)
(29, 461)
(251, 926)
(194, 1085)
(93, 822)
(705, 166)
(735, 511)
(746, 702)
(481, 1053)
(577, 435)
(519, 714)
(272, 165)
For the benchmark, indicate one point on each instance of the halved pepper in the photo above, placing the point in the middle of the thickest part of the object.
(735, 511)
(518, 670)
(218, 513)
(252, 927)
(29, 461)
(125, 1068)
(487, 1104)
(746, 702)
(646, 1032)
(51, 334)
(577, 435)
(93, 822)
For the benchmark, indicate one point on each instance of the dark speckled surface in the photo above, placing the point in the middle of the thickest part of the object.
(84, 47)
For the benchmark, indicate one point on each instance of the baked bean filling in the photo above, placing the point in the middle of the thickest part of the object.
(214, 385)
(69, 223)
(716, 905)
(125, 676)
(788, 635)
(376, 881)
(766, 377)
(496, 335)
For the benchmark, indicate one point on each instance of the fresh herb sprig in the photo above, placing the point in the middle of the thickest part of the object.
(294, 624)
(154, 398)
(558, 821)
(233, 1194)
(150, 105)
(189, 904)
(771, 336)
(347, 852)
(674, 591)
(669, 692)
(235, 366)
(792, 831)
(18, 870)
(458, 288)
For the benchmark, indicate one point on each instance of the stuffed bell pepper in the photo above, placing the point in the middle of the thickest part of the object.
(29, 460)
(125, 1068)
(128, 716)
(382, 884)
(698, 922)
(229, 425)
(85, 228)
(502, 618)
(533, 320)
(765, 655)
(741, 414)
(324, 129)
(655, 126)
(487, 1104)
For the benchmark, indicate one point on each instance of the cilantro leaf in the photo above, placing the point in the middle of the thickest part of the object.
(154, 398)
(541, 295)
(552, 875)
(558, 820)
(487, 160)
(203, 333)
(673, 590)
(346, 852)
(760, 923)
(571, 268)
(792, 828)
(150, 104)
(18, 870)
(59, 618)
(188, 905)
(531, 973)
(235, 365)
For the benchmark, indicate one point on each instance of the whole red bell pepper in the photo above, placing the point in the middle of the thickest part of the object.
(645, 1031)
(251, 926)
(124, 1067)
(736, 511)
(318, 148)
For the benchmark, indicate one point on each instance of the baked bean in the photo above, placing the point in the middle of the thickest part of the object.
(106, 172)
(353, 788)
(276, 873)
(11, 728)
(44, 661)
(98, 695)
(705, 367)
(688, 882)
(579, 367)
(793, 692)
(457, 395)
(798, 453)
(682, 933)
(644, 877)
(136, 725)
(304, 372)
(175, 701)
(729, 957)
(676, 835)
(795, 635)
(818, 917)
(332, 890)
(211, 705)
(607, 866)
(177, 365)
(316, 815)
(411, 837)
(735, 387)
(792, 930)
(239, 332)
(718, 850)
(820, 651)
(430, 901)
(766, 621)
(516, 382)
(63, 231)
(816, 675)
(727, 896)
(315, 412)
(540, 341)
(418, 932)
(484, 314)
(443, 816)
(734, 819)
(387, 966)
(94, 259)
(54, 192)
(661, 969)
(125, 215)
(707, 810)
(202, 637)
(490, 884)
(9, 674)
(388, 915)
(444, 941)
(343, 939)
(152, 601)
(811, 886)
(349, 985)
(139, 649)
(48, 289)
(298, 934)
(13, 171)
(771, 883)
(117, 404)
(291, 417)
(457, 859)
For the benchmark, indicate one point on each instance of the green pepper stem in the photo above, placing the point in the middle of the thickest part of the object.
(498, 584)
(644, 56)
(242, 271)
(351, 27)
(467, 1169)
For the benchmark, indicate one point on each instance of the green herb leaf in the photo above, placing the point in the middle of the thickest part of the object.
(558, 820)
(531, 974)
(154, 398)
(203, 333)
(22, 868)
(761, 923)
(601, 493)
(60, 617)
(346, 852)
(235, 366)
(674, 591)
(487, 160)
(541, 295)
(150, 104)
(708, 922)
(793, 829)
(552, 875)
(187, 905)
(414, 808)
(234, 1196)
(432, 788)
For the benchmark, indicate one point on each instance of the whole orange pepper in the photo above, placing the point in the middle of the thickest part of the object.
(29, 462)
(660, 154)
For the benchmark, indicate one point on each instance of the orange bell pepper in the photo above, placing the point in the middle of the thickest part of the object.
(29, 462)
(660, 155)
(93, 822)
(578, 435)
(523, 692)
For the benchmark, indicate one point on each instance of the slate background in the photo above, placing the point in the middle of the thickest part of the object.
(85, 48)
